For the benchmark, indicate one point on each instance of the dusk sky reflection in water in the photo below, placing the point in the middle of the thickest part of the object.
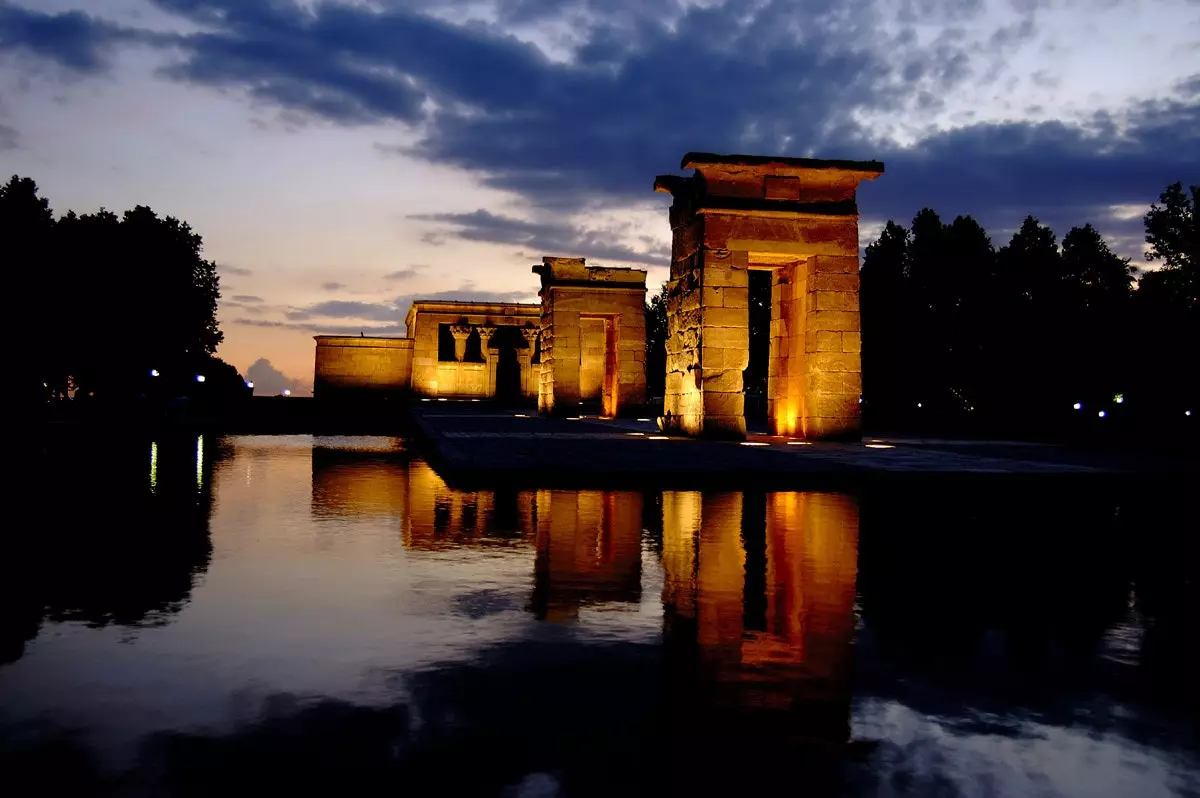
(335, 588)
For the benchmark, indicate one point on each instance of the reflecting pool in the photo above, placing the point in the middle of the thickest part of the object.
(199, 615)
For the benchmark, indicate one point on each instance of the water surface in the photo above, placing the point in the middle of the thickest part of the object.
(210, 615)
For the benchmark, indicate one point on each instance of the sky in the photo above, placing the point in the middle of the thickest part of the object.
(342, 157)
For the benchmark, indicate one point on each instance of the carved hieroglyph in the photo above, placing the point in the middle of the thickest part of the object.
(797, 218)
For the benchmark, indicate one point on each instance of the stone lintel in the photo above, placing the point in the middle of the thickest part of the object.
(574, 272)
(779, 164)
(363, 342)
(756, 183)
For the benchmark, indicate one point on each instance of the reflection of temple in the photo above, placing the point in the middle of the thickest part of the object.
(588, 550)
(759, 612)
(349, 483)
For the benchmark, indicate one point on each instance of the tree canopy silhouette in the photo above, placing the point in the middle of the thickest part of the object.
(108, 300)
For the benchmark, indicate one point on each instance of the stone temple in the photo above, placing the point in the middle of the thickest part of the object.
(584, 346)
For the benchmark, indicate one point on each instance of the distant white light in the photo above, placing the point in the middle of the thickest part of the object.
(520, 415)
(799, 443)
(153, 372)
(1102, 414)
(753, 443)
(249, 384)
(200, 378)
(658, 438)
(1078, 405)
(287, 392)
(1119, 398)
(919, 404)
(643, 419)
(441, 399)
(880, 446)
(1187, 412)
(637, 434)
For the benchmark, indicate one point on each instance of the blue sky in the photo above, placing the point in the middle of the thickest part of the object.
(340, 158)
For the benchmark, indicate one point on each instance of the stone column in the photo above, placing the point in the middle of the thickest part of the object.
(461, 333)
(490, 356)
(529, 386)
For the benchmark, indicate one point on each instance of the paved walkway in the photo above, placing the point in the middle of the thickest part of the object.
(472, 443)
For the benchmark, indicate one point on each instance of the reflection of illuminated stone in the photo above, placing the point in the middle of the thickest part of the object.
(588, 550)
(361, 484)
(759, 610)
(349, 485)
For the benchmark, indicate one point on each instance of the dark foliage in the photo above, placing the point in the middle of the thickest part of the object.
(104, 300)
(959, 334)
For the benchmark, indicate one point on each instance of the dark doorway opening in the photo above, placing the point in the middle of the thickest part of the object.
(505, 342)
(754, 378)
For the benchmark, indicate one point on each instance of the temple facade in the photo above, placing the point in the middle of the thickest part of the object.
(583, 345)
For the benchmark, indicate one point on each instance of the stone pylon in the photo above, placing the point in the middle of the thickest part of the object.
(794, 217)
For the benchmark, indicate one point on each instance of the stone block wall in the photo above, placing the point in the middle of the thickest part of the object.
(593, 337)
(798, 219)
(346, 365)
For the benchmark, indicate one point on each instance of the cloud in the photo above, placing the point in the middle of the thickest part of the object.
(559, 238)
(225, 268)
(9, 138)
(268, 380)
(603, 96)
(331, 286)
(405, 274)
(72, 39)
(376, 318)
(247, 299)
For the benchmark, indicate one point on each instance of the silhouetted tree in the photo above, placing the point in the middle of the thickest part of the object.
(957, 331)
(105, 299)
(656, 344)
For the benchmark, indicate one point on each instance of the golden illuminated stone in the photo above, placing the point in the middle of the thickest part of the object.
(798, 219)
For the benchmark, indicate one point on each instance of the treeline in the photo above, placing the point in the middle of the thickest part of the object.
(1033, 336)
(109, 308)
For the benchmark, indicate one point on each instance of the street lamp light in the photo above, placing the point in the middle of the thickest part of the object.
(200, 378)
(153, 372)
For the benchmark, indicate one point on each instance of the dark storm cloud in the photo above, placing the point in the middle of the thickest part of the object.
(332, 286)
(247, 299)
(72, 39)
(225, 268)
(549, 237)
(346, 309)
(1066, 174)
(643, 83)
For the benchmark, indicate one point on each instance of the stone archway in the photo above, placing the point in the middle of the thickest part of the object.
(798, 218)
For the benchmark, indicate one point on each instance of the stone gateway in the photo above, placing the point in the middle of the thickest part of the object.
(794, 217)
(584, 347)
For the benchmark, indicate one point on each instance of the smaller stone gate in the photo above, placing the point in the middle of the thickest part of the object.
(593, 337)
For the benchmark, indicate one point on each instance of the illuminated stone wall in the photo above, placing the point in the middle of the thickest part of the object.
(458, 378)
(361, 365)
(593, 328)
(797, 218)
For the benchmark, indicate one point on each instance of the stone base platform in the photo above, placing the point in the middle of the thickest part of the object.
(474, 445)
